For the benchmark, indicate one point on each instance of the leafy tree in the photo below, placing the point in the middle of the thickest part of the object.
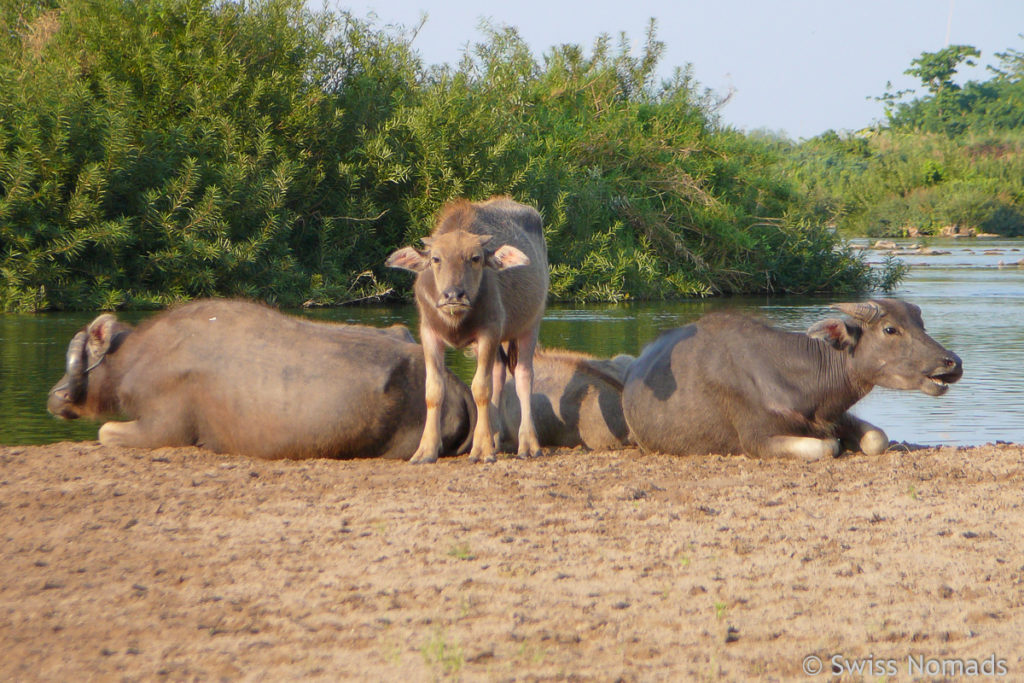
(168, 149)
(936, 69)
(951, 157)
(1011, 65)
(944, 109)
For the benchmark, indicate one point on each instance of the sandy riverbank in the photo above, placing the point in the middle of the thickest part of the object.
(179, 564)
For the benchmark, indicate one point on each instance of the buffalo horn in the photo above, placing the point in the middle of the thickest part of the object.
(867, 312)
(75, 368)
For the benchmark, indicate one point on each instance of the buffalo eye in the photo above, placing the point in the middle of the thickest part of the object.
(889, 329)
(475, 258)
(435, 259)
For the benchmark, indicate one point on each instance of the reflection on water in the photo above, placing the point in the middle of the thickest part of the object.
(970, 303)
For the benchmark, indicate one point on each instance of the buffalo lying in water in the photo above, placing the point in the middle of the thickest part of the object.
(239, 377)
(730, 384)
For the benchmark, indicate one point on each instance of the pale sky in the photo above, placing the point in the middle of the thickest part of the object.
(795, 66)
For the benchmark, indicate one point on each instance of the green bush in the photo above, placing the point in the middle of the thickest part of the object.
(168, 149)
(914, 180)
(952, 157)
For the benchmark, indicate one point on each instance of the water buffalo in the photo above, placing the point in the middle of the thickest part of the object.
(730, 384)
(576, 401)
(482, 280)
(240, 377)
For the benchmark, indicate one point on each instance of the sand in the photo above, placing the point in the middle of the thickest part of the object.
(180, 564)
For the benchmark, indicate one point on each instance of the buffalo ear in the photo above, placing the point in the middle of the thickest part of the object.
(408, 258)
(915, 314)
(507, 256)
(865, 312)
(101, 334)
(835, 332)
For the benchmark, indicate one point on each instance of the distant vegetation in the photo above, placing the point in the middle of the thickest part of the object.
(951, 159)
(168, 149)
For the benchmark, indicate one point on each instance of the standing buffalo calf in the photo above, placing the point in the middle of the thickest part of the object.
(482, 280)
(239, 377)
(576, 401)
(729, 384)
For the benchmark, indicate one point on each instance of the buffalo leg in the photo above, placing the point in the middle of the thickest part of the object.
(433, 356)
(799, 447)
(483, 436)
(529, 444)
(856, 434)
(497, 388)
(137, 434)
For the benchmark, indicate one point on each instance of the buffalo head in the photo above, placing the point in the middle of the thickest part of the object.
(78, 393)
(890, 347)
(455, 262)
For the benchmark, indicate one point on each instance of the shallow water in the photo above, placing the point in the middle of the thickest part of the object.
(970, 304)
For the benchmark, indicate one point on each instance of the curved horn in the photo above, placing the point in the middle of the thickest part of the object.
(75, 367)
(867, 312)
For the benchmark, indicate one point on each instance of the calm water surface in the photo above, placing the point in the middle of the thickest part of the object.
(971, 304)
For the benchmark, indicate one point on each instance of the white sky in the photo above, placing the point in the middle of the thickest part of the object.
(796, 66)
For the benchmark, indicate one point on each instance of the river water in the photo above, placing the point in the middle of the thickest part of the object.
(972, 301)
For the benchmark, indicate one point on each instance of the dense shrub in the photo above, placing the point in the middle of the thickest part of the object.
(167, 149)
(953, 156)
(899, 182)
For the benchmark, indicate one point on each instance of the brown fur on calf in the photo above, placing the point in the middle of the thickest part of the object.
(481, 280)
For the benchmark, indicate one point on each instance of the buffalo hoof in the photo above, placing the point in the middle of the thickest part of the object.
(483, 449)
(874, 442)
(423, 456)
(529, 444)
(525, 454)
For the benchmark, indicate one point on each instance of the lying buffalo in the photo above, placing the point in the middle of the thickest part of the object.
(576, 401)
(482, 281)
(730, 384)
(239, 377)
